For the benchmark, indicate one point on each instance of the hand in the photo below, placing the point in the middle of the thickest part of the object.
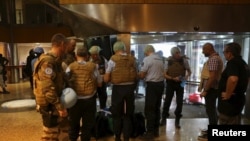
(63, 113)
(203, 94)
(225, 96)
(199, 89)
(176, 79)
(186, 77)
(37, 108)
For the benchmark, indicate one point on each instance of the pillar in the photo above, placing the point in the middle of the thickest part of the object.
(126, 39)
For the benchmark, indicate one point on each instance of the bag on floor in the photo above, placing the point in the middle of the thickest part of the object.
(103, 125)
(194, 98)
(138, 122)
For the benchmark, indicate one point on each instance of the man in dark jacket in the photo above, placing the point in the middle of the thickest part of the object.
(233, 85)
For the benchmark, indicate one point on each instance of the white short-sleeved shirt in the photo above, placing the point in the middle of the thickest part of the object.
(153, 65)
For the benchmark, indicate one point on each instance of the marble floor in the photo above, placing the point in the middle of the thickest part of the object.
(21, 122)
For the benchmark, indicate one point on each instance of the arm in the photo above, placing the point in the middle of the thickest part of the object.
(168, 76)
(142, 75)
(98, 77)
(210, 81)
(47, 75)
(231, 84)
(188, 70)
(106, 77)
(6, 61)
(188, 74)
(213, 66)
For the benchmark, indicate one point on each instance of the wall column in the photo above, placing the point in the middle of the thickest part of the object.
(13, 68)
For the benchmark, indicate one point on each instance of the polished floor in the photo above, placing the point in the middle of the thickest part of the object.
(19, 120)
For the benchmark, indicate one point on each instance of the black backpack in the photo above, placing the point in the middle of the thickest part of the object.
(103, 125)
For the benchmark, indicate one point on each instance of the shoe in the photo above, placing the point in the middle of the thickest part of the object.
(163, 122)
(117, 139)
(177, 126)
(126, 139)
(147, 136)
(5, 92)
(203, 131)
(156, 134)
(177, 123)
(202, 137)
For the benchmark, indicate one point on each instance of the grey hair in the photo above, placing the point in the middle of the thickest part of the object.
(149, 48)
(119, 45)
(174, 50)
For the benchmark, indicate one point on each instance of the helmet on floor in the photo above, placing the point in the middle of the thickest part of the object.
(68, 97)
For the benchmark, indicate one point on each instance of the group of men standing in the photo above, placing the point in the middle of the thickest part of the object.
(223, 87)
(88, 74)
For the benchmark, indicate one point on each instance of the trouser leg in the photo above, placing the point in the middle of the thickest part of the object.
(102, 95)
(50, 134)
(211, 110)
(167, 101)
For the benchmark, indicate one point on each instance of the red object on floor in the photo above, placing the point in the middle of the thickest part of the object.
(195, 98)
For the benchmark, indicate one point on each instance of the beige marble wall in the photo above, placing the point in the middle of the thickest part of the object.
(126, 39)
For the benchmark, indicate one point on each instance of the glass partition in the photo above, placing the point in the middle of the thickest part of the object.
(193, 50)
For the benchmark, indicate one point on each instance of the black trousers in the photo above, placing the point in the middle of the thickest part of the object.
(210, 104)
(82, 112)
(173, 88)
(102, 95)
(122, 108)
(49, 116)
(154, 91)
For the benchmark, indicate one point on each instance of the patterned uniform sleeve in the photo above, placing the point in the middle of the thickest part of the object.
(47, 76)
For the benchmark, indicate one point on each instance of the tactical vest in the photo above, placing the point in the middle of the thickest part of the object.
(176, 67)
(44, 83)
(124, 70)
(82, 78)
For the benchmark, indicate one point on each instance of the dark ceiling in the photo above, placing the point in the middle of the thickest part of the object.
(164, 21)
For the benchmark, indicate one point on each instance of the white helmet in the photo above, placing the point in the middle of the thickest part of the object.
(68, 97)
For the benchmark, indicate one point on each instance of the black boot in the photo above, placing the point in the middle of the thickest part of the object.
(118, 138)
(163, 122)
(156, 133)
(177, 122)
(5, 91)
(148, 136)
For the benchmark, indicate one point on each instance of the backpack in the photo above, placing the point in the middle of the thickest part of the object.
(103, 125)
(138, 122)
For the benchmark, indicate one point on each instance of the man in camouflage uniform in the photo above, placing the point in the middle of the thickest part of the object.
(48, 85)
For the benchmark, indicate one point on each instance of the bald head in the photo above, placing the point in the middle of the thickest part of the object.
(70, 45)
(208, 49)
